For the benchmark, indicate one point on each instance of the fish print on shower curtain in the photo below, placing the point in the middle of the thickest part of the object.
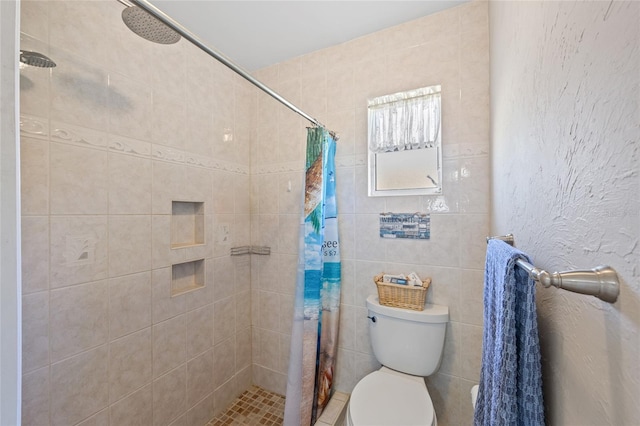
(314, 336)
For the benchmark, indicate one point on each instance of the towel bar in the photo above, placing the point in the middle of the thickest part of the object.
(601, 281)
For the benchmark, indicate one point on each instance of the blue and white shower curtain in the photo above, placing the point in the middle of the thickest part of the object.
(314, 337)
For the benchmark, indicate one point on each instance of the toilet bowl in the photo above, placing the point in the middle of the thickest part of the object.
(390, 398)
(409, 346)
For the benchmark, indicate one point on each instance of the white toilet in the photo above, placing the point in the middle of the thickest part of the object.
(409, 346)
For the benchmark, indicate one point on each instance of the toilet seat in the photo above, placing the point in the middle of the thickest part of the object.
(390, 398)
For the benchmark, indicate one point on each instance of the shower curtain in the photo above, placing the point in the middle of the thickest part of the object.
(314, 337)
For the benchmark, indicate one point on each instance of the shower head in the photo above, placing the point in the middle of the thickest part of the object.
(36, 59)
(148, 27)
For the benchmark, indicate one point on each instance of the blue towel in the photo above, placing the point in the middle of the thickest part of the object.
(511, 379)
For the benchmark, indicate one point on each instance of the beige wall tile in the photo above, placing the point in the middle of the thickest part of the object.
(169, 120)
(345, 370)
(243, 349)
(288, 240)
(164, 306)
(199, 375)
(285, 352)
(167, 185)
(224, 361)
(130, 363)
(362, 336)
(99, 419)
(202, 296)
(78, 88)
(473, 246)
(34, 167)
(269, 310)
(471, 296)
(270, 349)
(35, 397)
(129, 106)
(243, 380)
(199, 330)
(242, 194)
(181, 421)
(243, 310)
(224, 395)
(202, 135)
(169, 69)
(62, 34)
(224, 278)
(199, 187)
(79, 386)
(169, 345)
(471, 351)
(224, 319)
(242, 266)
(170, 396)
(369, 245)
(201, 412)
(129, 184)
(162, 254)
(269, 379)
(129, 244)
(35, 253)
(77, 180)
(452, 351)
(35, 331)
(129, 304)
(223, 192)
(136, 408)
(78, 249)
(79, 318)
(445, 395)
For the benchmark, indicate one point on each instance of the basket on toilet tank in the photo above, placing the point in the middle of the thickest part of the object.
(400, 295)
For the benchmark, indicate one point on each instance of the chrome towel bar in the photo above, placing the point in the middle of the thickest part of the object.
(601, 281)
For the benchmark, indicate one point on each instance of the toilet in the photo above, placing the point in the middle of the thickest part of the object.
(409, 346)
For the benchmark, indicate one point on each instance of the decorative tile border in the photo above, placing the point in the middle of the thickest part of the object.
(279, 168)
(38, 128)
(129, 146)
(34, 127)
(164, 153)
(464, 150)
(80, 136)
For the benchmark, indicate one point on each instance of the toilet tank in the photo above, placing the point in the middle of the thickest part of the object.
(408, 341)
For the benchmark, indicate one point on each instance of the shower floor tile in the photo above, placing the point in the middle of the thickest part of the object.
(255, 407)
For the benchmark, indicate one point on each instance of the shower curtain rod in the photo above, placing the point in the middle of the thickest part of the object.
(167, 20)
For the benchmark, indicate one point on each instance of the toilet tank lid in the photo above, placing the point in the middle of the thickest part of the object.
(431, 313)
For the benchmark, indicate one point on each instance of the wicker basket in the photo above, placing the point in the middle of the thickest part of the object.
(402, 296)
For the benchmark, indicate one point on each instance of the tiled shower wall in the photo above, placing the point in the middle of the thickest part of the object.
(450, 48)
(110, 137)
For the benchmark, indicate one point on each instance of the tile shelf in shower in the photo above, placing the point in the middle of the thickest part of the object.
(187, 224)
(187, 277)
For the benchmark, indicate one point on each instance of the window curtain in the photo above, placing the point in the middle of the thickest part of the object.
(314, 337)
(403, 121)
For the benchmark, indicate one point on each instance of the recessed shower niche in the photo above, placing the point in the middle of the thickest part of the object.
(187, 276)
(187, 224)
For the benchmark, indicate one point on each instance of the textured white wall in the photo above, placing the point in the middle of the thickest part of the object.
(564, 108)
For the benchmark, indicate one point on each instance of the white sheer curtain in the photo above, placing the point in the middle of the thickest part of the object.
(407, 120)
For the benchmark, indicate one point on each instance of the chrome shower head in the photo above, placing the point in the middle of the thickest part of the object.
(36, 59)
(148, 26)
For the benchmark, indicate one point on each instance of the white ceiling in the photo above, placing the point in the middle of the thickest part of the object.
(256, 34)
